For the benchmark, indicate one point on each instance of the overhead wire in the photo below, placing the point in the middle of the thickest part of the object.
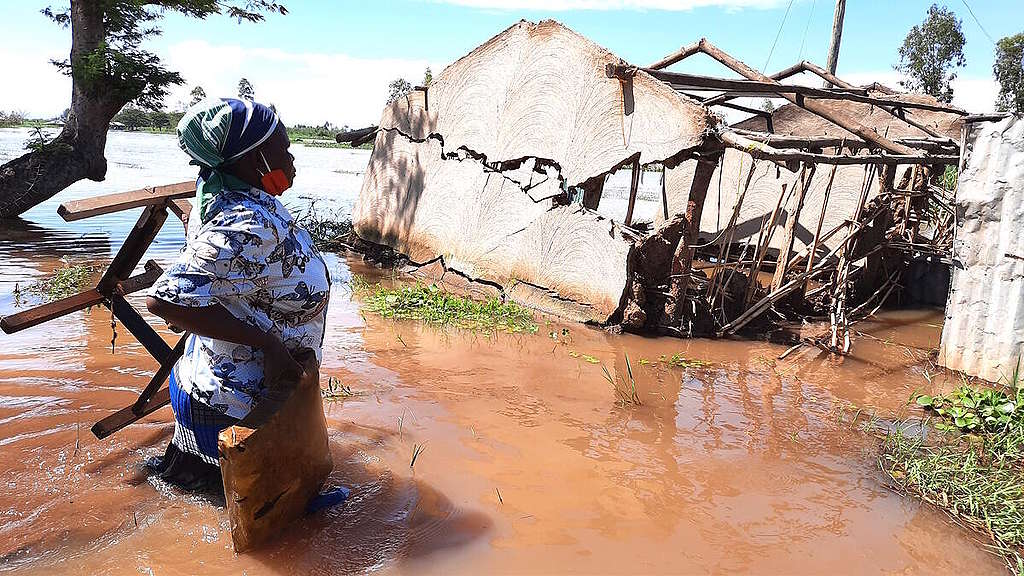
(978, 22)
(777, 35)
(806, 28)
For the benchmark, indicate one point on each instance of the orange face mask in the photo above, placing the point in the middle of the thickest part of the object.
(275, 181)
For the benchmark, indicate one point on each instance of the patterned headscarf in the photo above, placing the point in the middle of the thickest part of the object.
(217, 131)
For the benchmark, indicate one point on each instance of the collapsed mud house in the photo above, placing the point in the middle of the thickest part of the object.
(493, 174)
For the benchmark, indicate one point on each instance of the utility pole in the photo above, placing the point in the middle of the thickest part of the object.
(837, 36)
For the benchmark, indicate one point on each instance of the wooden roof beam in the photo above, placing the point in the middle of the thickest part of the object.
(838, 118)
(764, 151)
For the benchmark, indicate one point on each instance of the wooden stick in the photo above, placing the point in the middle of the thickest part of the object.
(784, 141)
(821, 220)
(761, 150)
(837, 317)
(682, 258)
(109, 203)
(838, 118)
(806, 176)
(761, 305)
(762, 247)
(731, 226)
(634, 183)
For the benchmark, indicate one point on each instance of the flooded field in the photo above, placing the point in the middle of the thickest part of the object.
(745, 465)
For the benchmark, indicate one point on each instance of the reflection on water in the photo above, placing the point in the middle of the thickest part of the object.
(529, 467)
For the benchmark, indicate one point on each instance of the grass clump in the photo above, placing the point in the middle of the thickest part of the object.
(67, 280)
(336, 390)
(625, 391)
(329, 230)
(975, 471)
(433, 305)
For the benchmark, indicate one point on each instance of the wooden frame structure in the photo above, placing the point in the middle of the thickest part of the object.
(117, 282)
(877, 153)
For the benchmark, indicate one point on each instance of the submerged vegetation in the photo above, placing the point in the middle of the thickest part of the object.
(625, 392)
(67, 280)
(330, 231)
(433, 305)
(974, 471)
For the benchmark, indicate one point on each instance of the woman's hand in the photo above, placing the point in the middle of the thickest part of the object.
(278, 364)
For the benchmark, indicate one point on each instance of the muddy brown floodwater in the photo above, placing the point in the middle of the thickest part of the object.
(747, 465)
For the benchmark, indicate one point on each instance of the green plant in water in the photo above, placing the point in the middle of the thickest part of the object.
(328, 230)
(433, 305)
(67, 280)
(976, 472)
(677, 360)
(625, 392)
(968, 409)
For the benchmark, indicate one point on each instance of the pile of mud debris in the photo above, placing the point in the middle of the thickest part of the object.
(492, 177)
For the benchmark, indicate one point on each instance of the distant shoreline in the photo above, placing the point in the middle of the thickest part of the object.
(297, 136)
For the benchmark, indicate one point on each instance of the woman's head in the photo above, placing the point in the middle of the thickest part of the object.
(269, 166)
(240, 138)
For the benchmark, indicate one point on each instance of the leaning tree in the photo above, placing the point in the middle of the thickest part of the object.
(108, 69)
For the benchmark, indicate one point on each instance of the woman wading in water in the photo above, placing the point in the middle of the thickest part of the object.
(249, 285)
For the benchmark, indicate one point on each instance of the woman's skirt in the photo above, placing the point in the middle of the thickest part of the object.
(190, 460)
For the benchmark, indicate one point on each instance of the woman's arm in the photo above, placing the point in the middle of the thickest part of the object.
(217, 323)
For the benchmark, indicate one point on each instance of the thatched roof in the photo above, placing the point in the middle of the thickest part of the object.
(791, 120)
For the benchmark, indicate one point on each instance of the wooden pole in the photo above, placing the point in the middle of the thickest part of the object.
(837, 36)
(806, 177)
(682, 258)
(821, 219)
(765, 238)
(766, 152)
(634, 183)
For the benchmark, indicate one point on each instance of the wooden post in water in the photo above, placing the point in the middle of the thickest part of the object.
(682, 258)
(806, 176)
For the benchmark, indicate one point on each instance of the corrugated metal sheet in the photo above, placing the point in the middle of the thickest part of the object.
(984, 330)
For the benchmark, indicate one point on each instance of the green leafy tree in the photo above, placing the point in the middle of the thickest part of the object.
(197, 95)
(174, 117)
(397, 88)
(428, 77)
(245, 90)
(11, 119)
(109, 68)
(132, 118)
(930, 54)
(1009, 71)
(158, 119)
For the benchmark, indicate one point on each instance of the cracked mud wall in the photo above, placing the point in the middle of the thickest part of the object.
(481, 168)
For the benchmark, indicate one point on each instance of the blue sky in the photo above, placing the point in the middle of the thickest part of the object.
(332, 60)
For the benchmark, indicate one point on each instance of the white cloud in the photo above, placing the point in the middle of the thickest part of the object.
(307, 88)
(976, 94)
(33, 85)
(566, 5)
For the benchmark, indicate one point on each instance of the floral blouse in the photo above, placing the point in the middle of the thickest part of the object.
(251, 257)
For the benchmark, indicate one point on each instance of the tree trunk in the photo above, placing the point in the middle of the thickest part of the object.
(77, 152)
